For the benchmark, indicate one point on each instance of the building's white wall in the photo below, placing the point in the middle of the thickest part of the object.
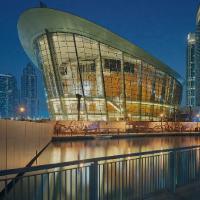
(19, 141)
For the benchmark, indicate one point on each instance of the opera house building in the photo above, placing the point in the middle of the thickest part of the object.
(116, 79)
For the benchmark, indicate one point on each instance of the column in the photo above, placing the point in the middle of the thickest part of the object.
(103, 82)
(140, 89)
(123, 88)
(80, 76)
(58, 82)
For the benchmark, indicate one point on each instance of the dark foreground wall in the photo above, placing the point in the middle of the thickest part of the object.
(19, 141)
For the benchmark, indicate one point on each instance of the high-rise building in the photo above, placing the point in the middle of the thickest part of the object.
(9, 97)
(190, 71)
(29, 92)
(92, 72)
(197, 59)
(193, 66)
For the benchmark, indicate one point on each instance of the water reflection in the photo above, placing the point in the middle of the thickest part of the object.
(130, 178)
(79, 150)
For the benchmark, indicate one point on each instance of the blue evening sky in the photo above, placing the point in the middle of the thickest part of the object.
(158, 26)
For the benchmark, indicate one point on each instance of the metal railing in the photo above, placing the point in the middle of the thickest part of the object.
(128, 176)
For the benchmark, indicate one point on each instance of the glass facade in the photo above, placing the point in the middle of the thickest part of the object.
(190, 71)
(114, 85)
(29, 92)
(197, 60)
(9, 96)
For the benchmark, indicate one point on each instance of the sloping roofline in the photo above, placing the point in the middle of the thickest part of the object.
(33, 22)
(198, 14)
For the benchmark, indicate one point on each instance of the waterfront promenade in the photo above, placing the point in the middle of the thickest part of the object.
(128, 164)
(57, 138)
(116, 177)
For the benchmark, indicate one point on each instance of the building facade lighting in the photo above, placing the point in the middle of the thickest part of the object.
(117, 79)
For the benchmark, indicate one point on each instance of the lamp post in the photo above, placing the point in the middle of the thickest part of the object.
(78, 96)
(161, 116)
(21, 111)
(197, 121)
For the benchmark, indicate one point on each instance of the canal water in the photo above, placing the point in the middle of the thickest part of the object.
(129, 178)
(80, 150)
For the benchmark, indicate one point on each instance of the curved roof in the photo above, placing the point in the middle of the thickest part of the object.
(33, 23)
(198, 15)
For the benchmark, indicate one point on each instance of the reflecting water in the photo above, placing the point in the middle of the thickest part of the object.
(79, 150)
(128, 178)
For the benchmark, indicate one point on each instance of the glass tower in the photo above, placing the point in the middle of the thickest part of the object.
(29, 92)
(9, 97)
(116, 79)
(197, 59)
(190, 71)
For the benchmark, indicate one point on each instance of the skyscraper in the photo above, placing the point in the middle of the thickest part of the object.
(29, 93)
(9, 97)
(197, 59)
(190, 71)
(193, 66)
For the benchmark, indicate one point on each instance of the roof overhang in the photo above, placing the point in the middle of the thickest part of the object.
(33, 22)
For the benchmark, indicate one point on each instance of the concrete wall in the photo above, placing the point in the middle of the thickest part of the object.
(19, 141)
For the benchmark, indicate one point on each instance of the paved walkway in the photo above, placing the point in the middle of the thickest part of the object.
(191, 192)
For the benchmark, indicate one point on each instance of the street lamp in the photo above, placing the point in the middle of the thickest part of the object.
(22, 111)
(161, 116)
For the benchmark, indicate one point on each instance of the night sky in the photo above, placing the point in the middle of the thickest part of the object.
(158, 26)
